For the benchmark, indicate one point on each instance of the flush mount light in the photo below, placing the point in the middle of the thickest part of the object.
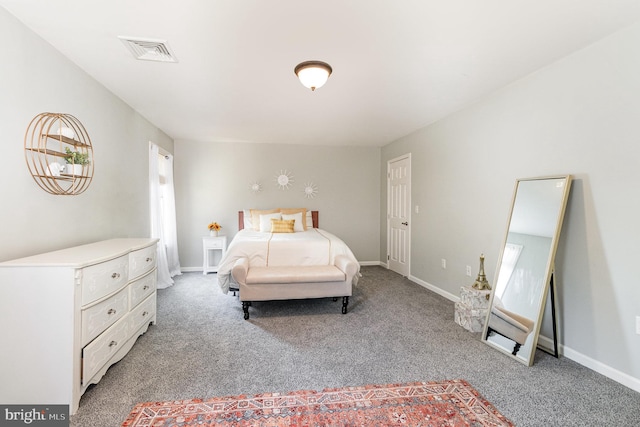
(313, 74)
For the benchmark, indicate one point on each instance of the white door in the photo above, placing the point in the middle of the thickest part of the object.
(399, 214)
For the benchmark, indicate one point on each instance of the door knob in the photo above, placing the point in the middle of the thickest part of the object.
(405, 223)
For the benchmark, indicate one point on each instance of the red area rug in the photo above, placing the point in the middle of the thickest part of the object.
(442, 403)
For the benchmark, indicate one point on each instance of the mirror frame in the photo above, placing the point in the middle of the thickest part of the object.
(549, 270)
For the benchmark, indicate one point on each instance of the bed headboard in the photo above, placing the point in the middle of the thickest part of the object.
(314, 218)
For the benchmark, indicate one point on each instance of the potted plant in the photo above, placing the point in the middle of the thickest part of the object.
(75, 161)
(214, 228)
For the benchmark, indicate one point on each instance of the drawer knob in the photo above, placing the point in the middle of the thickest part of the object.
(145, 287)
(149, 259)
(115, 275)
(145, 313)
(111, 311)
(112, 344)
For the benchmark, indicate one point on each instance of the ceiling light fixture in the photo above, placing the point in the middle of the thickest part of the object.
(313, 74)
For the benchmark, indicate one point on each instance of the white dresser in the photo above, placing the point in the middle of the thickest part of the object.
(66, 316)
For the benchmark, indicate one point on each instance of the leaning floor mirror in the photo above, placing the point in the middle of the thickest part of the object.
(524, 274)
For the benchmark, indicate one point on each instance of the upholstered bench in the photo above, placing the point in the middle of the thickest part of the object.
(510, 325)
(294, 282)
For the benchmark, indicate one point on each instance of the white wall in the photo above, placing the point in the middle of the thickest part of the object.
(212, 184)
(578, 116)
(35, 78)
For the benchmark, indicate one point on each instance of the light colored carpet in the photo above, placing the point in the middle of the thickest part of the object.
(395, 331)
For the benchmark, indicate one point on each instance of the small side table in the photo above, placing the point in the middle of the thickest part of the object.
(471, 310)
(210, 244)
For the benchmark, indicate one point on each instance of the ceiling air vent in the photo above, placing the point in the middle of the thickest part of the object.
(148, 49)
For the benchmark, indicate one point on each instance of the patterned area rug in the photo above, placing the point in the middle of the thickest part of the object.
(443, 403)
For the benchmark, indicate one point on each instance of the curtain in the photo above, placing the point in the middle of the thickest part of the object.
(169, 210)
(163, 215)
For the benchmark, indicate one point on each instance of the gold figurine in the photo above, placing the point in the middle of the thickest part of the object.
(481, 282)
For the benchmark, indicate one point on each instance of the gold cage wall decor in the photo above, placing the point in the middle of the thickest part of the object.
(59, 154)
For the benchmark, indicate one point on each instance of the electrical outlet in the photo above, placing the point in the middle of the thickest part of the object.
(417, 209)
(443, 262)
(469, 270)
(638, 325)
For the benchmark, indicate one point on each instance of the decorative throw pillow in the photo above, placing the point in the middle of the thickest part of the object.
(291, 211)
(265, 221)
(299, 224)
(282, 225)
(255, 217)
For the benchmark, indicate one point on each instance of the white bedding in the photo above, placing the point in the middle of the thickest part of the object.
(311, 247)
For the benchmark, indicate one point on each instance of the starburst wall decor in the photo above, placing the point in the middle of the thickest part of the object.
(284, 179)
(310, 190)
(255, 187)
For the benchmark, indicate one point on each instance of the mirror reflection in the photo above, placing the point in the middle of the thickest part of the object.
(525, 266)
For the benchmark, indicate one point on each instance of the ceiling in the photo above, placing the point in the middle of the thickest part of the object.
(398, 65)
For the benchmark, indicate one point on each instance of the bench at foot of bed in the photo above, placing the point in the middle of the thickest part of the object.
(294, 282)
(247, 304)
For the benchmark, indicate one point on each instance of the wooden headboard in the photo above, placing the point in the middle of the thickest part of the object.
(314, 218)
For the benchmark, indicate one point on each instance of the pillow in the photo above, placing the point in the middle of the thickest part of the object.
(282, 225)
(246, 217)
(265, 221)
(305, 224)
(255, 217)
(298, 224)
(309, 219)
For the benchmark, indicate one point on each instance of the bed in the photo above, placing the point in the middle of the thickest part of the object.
(266, 263)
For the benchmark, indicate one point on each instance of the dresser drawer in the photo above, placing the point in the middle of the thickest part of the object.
(142, 261)
(99, 317)
(98, 353)
(100, 280)
(144, 313)
(213, 243)
(142, 288)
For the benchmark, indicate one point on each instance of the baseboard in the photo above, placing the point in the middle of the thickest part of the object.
(609, 372)
(370, 263)
(447, 295)
(599, 367)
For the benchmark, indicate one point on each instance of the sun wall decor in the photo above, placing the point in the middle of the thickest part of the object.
(310, 190)
(284, 179)
(255, 187)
